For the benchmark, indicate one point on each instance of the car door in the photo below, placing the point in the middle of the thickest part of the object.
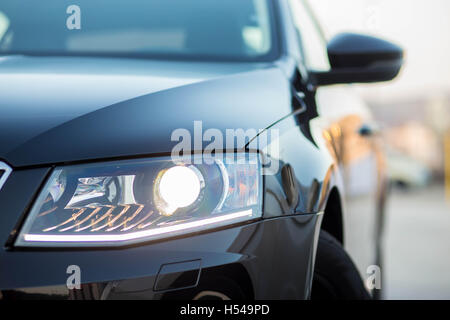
(345, 122)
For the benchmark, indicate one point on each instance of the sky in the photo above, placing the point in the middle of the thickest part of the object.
(421, 27)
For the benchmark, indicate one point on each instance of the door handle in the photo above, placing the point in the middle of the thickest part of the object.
(367, 130)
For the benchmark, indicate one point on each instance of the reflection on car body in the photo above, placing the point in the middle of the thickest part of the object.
(87, 120)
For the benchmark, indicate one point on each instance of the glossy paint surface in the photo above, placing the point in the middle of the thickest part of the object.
(61, 110)
(76, 109)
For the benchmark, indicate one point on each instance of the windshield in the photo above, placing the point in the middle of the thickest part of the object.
(160, 28)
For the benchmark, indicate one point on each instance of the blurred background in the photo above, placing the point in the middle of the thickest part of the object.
(414, 116)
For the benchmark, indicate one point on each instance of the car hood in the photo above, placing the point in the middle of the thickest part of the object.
(68, 109)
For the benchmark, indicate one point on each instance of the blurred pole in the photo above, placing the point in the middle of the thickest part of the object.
(447, 164)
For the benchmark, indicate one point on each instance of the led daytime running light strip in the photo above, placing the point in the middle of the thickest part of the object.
(136, 235)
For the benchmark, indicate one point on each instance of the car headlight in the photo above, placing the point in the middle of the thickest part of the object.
(123, 202)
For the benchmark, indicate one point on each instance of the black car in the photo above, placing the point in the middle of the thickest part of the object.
(173, 149)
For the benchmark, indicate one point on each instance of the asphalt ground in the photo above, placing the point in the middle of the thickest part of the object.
(417, 245)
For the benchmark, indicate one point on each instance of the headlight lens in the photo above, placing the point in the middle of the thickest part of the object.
(177, 187)
(125, 202)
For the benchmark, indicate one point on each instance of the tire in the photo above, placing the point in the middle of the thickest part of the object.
(335, 275)
(210, 288)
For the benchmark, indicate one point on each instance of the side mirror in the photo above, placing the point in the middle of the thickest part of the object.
(358, 58)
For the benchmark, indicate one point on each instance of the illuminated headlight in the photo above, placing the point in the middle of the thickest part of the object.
(124, 202)
(177, 187)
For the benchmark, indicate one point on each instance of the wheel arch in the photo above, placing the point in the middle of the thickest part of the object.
(332, 221)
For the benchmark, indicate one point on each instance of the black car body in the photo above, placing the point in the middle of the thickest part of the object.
(70, 109)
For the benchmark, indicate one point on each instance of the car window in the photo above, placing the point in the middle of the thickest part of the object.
(313, 44)
(216, 28)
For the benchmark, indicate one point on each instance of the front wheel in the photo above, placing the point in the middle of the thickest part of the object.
(335, 275)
